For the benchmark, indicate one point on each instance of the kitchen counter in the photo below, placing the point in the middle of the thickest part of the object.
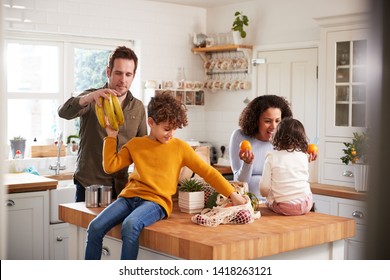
(26, 182)
(338, 191)
(268, 236)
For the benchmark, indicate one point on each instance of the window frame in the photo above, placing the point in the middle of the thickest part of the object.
(66, 44)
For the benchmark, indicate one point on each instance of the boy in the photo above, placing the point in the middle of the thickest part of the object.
(158, 159)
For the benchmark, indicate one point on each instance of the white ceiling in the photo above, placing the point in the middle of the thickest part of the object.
(201, 3)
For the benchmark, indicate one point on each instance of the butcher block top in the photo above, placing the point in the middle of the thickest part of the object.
(27, 182)
(178, 236)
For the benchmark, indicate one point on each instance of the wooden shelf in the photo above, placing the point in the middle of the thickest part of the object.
(222, 48)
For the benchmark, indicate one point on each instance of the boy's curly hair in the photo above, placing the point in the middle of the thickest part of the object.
(249, 117)
(290, 136)
(164, 107)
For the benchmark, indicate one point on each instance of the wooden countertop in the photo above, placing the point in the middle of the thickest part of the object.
(271, 234)
(337, 191)
(223, 169)
(26, 182)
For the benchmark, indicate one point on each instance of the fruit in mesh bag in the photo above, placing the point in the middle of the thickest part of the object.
(200, 220)
(243, 216)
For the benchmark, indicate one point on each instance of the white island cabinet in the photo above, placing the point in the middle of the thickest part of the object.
(348, 208)
(28, 225)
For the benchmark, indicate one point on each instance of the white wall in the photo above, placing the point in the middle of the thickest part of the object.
(163, 35)
(3, 216)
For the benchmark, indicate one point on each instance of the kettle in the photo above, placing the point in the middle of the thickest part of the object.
(199, 40)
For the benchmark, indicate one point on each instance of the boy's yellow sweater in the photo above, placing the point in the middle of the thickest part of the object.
(157, 168)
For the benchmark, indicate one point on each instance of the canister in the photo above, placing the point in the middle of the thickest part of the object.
(105, 196)
(92, 196)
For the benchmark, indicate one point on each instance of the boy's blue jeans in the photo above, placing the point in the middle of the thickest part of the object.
(134, 214)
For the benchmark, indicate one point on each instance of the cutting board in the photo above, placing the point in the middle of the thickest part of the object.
(47, 151)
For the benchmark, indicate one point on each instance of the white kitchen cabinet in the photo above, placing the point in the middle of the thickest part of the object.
(343, 95)
(28, 225)
(354, 209)
(111, 247)
(59, 241)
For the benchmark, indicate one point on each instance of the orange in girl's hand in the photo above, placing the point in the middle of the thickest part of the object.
(312, 148)
(245, 145)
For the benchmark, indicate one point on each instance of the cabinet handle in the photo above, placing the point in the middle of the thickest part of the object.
(357, 214)
(59, 238)
(10, 203)
(347, 173)
(106, 251)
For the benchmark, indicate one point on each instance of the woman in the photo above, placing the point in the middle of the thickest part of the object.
(258, 122)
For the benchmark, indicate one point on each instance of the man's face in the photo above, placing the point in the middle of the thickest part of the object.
(121, 76)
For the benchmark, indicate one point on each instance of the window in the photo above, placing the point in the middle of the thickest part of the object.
(42, 73)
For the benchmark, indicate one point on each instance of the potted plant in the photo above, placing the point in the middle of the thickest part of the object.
(18, 143)
(191, 196)
(240, 21)
(357, 154)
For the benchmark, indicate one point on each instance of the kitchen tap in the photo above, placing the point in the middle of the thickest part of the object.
(57, 167)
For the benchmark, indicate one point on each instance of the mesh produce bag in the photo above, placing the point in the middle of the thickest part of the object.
(226, 213)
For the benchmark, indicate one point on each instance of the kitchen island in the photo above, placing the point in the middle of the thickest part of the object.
(311, 236)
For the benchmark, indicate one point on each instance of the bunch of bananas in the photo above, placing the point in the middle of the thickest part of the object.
(112, 109)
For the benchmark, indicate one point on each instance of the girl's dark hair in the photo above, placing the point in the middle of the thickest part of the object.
(164, 107)
(123, 52)
(249, 117)
(291, 136)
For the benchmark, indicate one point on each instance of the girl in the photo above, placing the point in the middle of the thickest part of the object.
(286, 171)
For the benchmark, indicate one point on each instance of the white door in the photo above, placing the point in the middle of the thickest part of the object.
(292, 74)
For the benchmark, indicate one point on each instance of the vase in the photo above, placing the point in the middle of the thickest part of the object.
(191, 202)
(361, 177)
(237, 39)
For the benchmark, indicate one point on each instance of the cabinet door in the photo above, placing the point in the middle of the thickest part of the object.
(59, 241)
(28, 226)
(292, 74)
(346, 82)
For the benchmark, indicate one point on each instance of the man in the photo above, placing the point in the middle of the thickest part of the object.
(120, 71)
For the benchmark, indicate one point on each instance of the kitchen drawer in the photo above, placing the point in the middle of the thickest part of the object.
(356, 212)
(338, 172)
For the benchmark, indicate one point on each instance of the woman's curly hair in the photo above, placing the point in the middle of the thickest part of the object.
(249, 117)
(290, 136)
(166, 108)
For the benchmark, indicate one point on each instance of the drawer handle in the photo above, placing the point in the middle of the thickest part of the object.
(10, 203)
(358, 214)
(59, 238)
(106, 251)
(347, 173)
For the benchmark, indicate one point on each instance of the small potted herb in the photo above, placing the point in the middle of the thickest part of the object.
(357, 154)
(191, 196)
(240, 21)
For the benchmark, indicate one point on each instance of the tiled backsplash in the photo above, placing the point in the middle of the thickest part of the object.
(41, 165)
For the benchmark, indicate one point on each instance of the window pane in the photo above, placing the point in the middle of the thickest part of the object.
(32, 119)
(32, 68)
(90, 68)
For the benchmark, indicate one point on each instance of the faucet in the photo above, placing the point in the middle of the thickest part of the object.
(57, 167)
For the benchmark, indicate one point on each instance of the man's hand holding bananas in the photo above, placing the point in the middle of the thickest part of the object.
(111, 108)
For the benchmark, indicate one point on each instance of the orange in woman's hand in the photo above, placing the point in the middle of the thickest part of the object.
(245, 145)
(312, 148)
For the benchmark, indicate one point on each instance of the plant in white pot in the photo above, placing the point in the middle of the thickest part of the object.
(357, 153)
(191, 196)
(240, 21)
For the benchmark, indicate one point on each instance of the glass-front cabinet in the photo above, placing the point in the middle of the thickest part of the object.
(346, 83)
(344, 96)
